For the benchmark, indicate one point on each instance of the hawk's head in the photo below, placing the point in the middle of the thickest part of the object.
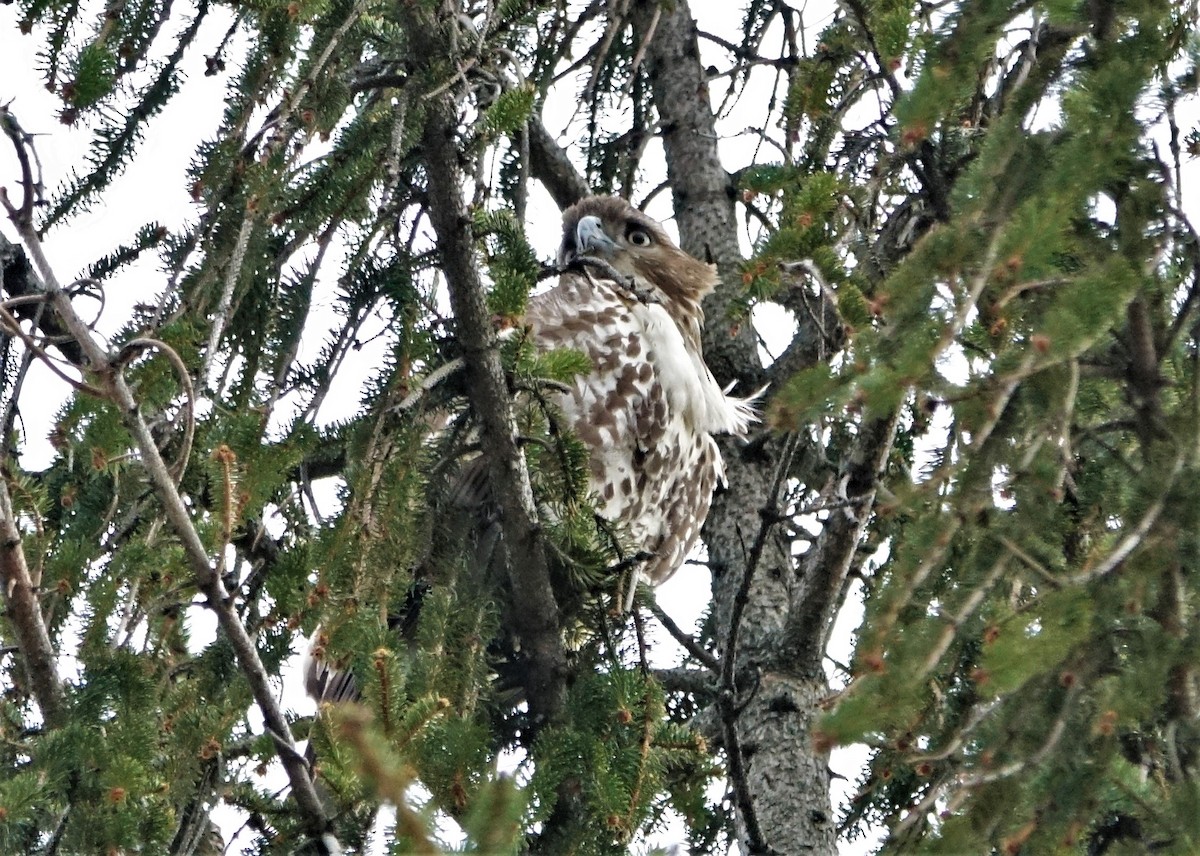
(611, 229)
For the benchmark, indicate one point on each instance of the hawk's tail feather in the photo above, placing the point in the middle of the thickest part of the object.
(743, 412)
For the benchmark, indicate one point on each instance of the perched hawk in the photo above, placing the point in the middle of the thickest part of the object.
(630, 300)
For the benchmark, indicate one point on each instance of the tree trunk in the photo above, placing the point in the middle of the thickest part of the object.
(780, 780)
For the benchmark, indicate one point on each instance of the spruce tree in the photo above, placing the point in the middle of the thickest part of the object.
(983, 424)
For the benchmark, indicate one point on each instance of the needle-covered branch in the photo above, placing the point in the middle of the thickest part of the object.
(111, 381)
(535, 613)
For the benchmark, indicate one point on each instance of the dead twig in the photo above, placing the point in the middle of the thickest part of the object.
(189, 393)
(115, 388)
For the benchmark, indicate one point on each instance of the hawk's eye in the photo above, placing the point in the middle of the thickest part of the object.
(638, 237)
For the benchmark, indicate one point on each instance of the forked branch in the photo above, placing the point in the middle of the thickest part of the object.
(112, 385)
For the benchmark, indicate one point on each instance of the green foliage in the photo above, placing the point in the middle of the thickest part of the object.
(1008, 612)
(510, 111)
(511, 261)
(948, 76)
(806, 229)
(608, 760)
(149, 236)
(93, 75)
(978, 189)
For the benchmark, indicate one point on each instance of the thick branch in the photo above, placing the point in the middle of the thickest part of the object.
(550, 165)
(826, 565)
(25, 616)
(702, 191)
(781, 779)
(535, 611)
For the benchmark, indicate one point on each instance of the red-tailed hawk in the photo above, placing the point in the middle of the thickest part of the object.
(630, 300)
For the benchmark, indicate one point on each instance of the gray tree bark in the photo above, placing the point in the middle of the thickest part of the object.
(771, 685)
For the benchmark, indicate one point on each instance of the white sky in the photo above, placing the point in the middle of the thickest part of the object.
(155, 188)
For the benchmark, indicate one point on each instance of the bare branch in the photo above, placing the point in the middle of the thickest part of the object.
(550, 165)
(13, 327)
(689, 644)
(826, 565)
(189, 393)
(25, 615)
(225, 305)
(21, 282)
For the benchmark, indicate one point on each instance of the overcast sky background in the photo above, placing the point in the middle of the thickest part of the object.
(155, 189)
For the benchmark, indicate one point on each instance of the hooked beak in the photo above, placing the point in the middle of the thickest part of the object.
(589, 239)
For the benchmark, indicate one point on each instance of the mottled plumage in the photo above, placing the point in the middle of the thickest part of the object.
(630, 300)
